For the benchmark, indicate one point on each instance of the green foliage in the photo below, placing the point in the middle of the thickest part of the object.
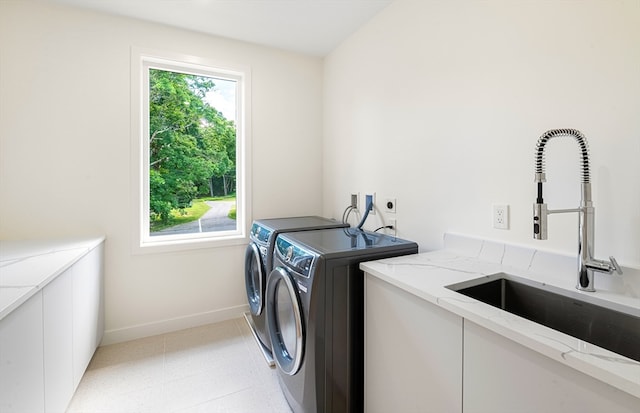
(232, 213)
(190, 142)
(182, 216)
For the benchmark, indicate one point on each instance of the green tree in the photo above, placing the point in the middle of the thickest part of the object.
(189, 141)
(224, 133)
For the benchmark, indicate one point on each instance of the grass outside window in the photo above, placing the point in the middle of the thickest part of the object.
(194, 212)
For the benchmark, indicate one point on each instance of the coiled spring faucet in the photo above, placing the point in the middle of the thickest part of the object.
(586, 263)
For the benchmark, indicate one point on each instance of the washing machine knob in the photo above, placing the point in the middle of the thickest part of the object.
(289, 253)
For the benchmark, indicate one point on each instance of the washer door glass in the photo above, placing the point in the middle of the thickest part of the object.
(254, 278)
(285, 321)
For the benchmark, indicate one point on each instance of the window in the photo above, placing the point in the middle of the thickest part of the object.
(190, 146)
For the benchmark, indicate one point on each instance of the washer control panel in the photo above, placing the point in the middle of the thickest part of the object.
(260, 236)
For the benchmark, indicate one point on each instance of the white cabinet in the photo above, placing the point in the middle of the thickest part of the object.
(413, 353)
(88, 314)
(58, 342)
(501, 376)
(422, 358)
(21, 358)
(47, 342)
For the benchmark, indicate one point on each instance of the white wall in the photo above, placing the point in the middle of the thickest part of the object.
(65, 147)
(436, 103)
(440, 104)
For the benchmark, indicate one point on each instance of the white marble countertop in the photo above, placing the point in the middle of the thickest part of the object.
(26, 266)
(426, 275)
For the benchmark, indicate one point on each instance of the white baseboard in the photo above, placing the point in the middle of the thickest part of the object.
(120, 335)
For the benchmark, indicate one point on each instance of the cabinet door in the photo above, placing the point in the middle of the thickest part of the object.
(501, 376)
(88, 314)
(413, 353)
(21, 359)
(58, 344)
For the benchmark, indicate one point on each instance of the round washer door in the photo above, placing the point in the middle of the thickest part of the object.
(254, 278)
(285, 321)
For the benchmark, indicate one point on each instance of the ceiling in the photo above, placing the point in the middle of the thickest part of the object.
(313, 27)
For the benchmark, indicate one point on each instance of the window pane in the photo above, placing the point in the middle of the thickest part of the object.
(191, 152)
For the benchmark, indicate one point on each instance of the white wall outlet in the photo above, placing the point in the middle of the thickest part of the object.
(390, 205)
(394, 223)
(501, 216)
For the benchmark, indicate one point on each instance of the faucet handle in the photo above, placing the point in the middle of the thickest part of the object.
(615, 265)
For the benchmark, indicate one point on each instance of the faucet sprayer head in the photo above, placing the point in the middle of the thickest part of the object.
(540, 214)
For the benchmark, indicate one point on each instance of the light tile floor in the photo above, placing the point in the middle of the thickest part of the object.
(213, 368)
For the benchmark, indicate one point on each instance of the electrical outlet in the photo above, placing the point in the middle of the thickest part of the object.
(501, 216)
(354, 200)
(390, 205)
(370, 198)
(393, 222)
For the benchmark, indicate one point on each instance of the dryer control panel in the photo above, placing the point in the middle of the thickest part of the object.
(296, 258)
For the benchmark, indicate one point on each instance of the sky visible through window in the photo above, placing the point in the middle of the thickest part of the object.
(223, 98)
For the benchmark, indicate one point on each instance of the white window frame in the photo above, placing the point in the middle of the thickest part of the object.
(141, 61)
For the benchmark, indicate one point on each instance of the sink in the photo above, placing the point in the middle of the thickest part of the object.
(568, 313)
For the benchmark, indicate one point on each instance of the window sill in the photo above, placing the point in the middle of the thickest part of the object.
(164, 246)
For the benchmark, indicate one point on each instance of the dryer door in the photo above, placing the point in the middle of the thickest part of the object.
(254, 278)
(285, 321)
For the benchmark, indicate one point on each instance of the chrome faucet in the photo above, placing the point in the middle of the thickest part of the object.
(586, 263)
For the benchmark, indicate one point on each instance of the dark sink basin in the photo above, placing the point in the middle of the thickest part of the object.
(607, 328)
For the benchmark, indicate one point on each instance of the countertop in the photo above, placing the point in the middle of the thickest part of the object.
(27, 266)
(463, 258)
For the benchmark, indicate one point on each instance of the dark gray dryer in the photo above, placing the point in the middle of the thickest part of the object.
(258, 258)
(315, 315)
